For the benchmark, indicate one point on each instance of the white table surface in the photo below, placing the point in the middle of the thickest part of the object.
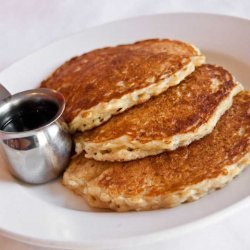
(28, 25)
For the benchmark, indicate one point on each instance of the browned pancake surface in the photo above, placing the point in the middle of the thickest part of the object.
(179, 110)
(176, 170)
(105, 74)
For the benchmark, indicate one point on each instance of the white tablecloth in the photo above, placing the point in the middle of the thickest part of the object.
(30, 24)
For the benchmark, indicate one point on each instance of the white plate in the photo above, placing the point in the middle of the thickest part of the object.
(49, 214)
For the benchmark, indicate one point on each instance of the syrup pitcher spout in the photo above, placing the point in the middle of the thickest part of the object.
(4, 93)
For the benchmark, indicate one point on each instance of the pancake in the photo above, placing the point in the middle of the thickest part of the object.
(107, 81)
(171, 178)
(175, 118)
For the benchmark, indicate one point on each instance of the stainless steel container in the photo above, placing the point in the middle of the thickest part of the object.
(33, 134)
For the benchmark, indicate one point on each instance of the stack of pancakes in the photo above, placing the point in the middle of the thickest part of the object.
(153, 125)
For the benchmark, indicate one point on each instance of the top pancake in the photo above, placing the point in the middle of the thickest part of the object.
(170, 178)
(175, 118)
(107, 81)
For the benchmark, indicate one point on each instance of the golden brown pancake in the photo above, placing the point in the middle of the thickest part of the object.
(175, 118)
(107, 81)
(171, 178)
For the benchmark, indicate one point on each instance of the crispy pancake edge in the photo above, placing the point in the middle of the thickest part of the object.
(121, 145)
(98, 114)
(189, 194)
(102, 112)
(98, 197)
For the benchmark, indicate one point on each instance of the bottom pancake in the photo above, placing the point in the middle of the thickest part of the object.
(168, 179)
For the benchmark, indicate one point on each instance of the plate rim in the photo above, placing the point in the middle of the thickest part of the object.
(143, 239)
(120, 20)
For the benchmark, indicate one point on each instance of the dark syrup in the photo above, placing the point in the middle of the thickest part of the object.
(30, 115)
